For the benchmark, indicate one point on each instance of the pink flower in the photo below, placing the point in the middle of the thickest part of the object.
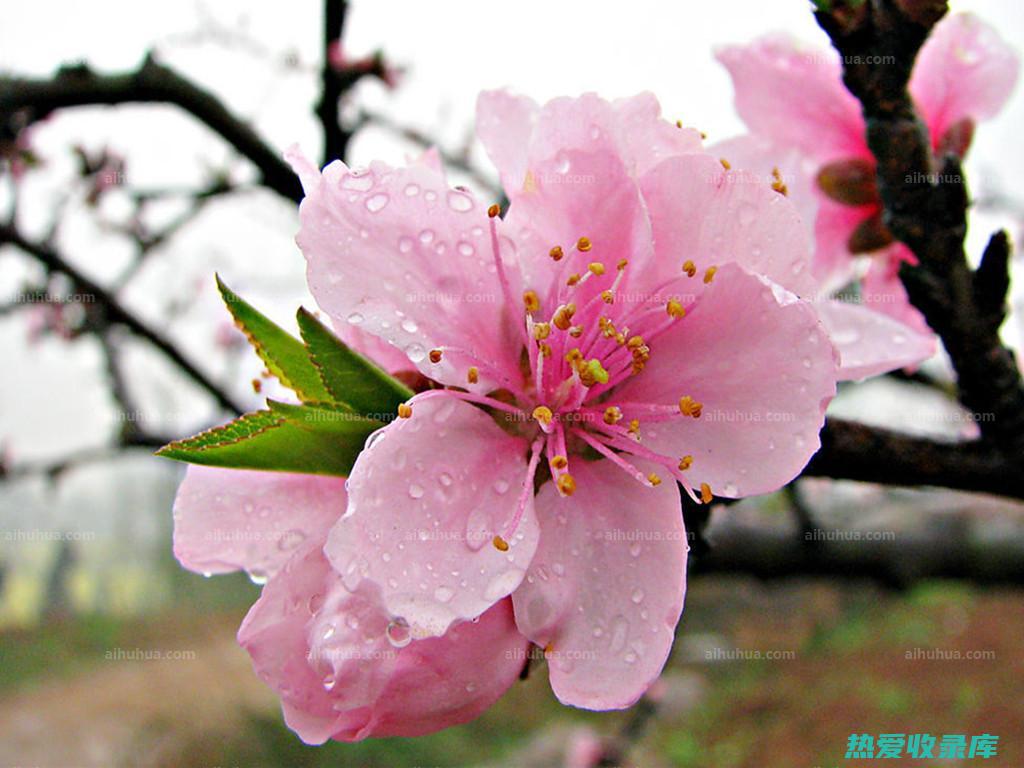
(634, 290)
(963, 74)
(632, 322)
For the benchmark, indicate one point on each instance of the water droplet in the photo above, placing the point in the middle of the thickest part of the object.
(398, 632)
(470, 687)
(376, 202)
(899, 338)
(258, 576)
(352, 621)
(427, 236)
(500, 487)
(329, 682)
(478, 529)
(409, 325)
(562, 163)
(637, 596)
(357, 180)
(460, 201)
(415, 491)
(558, 569)
(443, 594)
(328, 632)
(444, 479)
(634, 549)
(405, 244)
(416, 352)
(630, 657)
(411, 190)
(466, 249)
(355, 318)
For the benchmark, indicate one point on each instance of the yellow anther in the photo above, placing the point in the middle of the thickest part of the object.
(573, 279)
(725, 163)
(608, 297)
(473, 375)
(435, 355)
(679, 123)
(709, 275)
(634, 428)
(620, 338)
(545, 349)
(689, 268)
(549, 647)
(675, 308)
(612, 414)
(635, 342)
(685, 463)
(556, 253)
(543, 414)
(563, 316)
(778, 184)
(703, 135)
(574, 356)
(705, 493)
(596, 267)
(531, 301)
(500, 544)
(576, 331)
(593, 373)
(653, 479)
(494, 210)
(689, 407)
(622, 264)
(583, 244)
(257, 386)
(566, 484)
(541, 331)
(404, 411)
(559, 462)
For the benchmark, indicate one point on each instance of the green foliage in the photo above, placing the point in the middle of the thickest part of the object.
(345, 398)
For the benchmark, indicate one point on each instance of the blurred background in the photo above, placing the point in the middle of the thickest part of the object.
(827, 609)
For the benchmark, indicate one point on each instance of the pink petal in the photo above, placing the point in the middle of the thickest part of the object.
(764, 370)
(869, 343)
(572, 195)
(647, 138)
(795, 97)
(964, 70)
(606, 586)
(883, 291)
(227, 519)
(834, 265)
(426, 498)
(504, 124)
(405, 258)
(328, 654)
(702, 212)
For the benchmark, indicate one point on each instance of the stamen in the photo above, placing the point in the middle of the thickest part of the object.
(689, 268)
(653, 479)
(493, 210)
(469, 397)
(473, 374)
(566, 484)
(404, 411)
(573, 280)
(500, 544)
(615, 458)
(541, 331)
(499, 265)
(583, 244)
(596, 268)
(526, 492)
(675, 309)
(576, 331)
(685, 463)
(559, 462)
(709, 275)
(725, 163)
(435, 356)
(778, 184)
(612, 414)
(705, 493)
(556, 253)
(563, 316)
(531, 301)
(544, 416)
(690, 407)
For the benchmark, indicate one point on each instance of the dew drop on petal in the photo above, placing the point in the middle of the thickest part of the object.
(405, 244)
(355, 318)
(460, 201)
(415, 491)
(411, 190)
(376, 202)
(443, 594)
(637, 596)
(398, 633)
(500, 487)
(427, 236)
(409, 325)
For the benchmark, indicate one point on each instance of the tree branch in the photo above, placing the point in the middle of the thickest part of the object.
(115, 312)
(151, 83)
(928, 211)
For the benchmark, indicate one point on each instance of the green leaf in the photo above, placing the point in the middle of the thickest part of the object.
(320, 439)
(348, 376)
(284, 355)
